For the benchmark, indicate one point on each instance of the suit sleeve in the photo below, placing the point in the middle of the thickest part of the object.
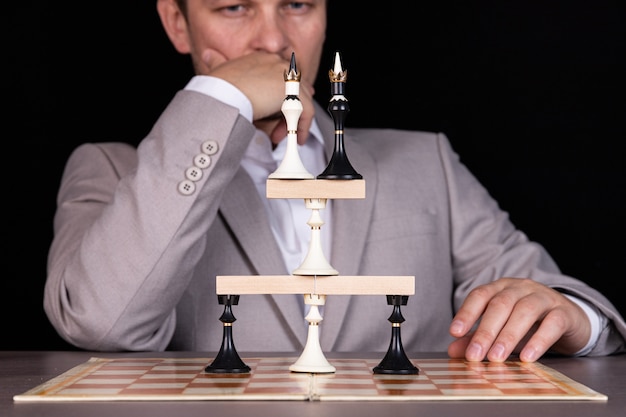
(129, 225)
(487, 246)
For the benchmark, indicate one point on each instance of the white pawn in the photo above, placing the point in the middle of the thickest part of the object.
(312, 358)
(315, 262)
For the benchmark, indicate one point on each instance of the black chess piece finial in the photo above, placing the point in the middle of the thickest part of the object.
(227, 360)
(396, 361)
(339, 166)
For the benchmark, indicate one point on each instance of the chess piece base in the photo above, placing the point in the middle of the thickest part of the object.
(227, 360)
(395, 361)
(312, 358)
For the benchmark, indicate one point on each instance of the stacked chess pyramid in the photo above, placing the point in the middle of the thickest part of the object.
(292, 180)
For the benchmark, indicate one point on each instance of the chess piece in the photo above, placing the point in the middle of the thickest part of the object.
(339, 166)
(312, 358)
(227, 360)
(396, 361)
(315, 262)
(291, 166)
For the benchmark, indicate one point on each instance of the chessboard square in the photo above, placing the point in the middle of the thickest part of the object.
(534, 388)
(167, 377)
(218, 379)
(212, 391)
(366, 376)
(406, 387)
(364, 373)
(153, 391)
(535, 385)
(285, 387)
(477, 383)
(199, 362)
(486, 366)
(276, 368)
(158, 385)
(459, 374)
(101, 381)
(147, 393)
(410, 393)
(89, 391)
(177, 368)
(442, 363)
(481, 392)
(131, 364)
(391, 378)
(339, 381)
(296, 378)
(285, 384)
(356, 391)
(211, 377)
(349, 363)
(215, 383)
(538, 392)
(526, 378)
(274, 362)
(112, 373)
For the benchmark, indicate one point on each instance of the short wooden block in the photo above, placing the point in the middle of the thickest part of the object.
(329, 189)
(322, 285)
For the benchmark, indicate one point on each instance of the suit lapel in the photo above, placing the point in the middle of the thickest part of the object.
(244, 212)
(351, 220)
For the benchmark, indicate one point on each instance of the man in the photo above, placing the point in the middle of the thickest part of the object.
(141, 234)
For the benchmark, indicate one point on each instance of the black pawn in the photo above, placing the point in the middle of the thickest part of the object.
(396, 361)
(227, 360)
(339, 167)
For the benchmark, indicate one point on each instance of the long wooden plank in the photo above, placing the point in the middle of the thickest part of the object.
(323, 285)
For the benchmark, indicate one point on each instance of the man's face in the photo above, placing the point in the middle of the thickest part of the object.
(238, 27)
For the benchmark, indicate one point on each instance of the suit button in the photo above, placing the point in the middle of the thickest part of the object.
(202, 160)
(186, 187)
(193, 173)
(210, 147)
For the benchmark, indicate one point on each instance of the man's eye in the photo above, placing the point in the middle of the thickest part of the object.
(234, 9)
(298, 6)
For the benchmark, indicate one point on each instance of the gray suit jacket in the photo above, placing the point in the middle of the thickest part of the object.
(133, 261)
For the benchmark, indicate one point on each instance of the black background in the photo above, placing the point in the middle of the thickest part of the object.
(530, 93)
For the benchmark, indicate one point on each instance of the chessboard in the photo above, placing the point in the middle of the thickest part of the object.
(179, 379)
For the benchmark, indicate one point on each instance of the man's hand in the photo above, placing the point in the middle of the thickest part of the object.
(259, 75)
(517, 315)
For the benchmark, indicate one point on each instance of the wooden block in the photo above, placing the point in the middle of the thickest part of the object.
(322, 285)
(333, 189)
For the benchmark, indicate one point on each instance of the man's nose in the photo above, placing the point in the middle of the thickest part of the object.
(270, 35)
